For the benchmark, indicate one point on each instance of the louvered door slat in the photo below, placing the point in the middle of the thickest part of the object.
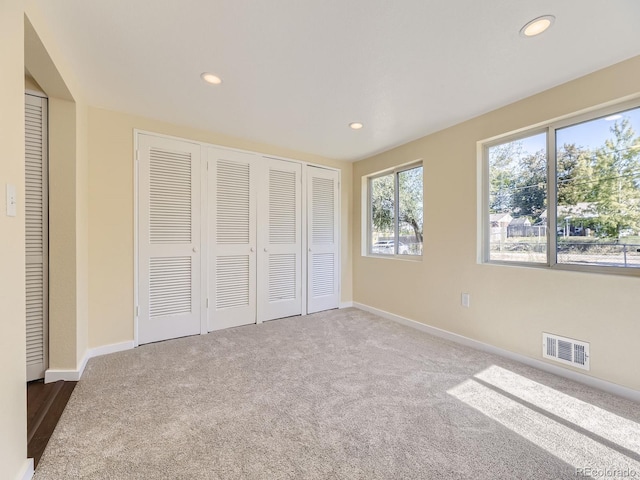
(169, 237)
(283, 204)
(35, 198)
(323, 258)
(282, 277)
(232, 281)
(233, 208)
(322, 205)
(323, 274)
(169, 286)
(170, 195)
(34, 313)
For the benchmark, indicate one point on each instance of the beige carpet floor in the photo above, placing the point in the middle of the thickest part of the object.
(335, 395)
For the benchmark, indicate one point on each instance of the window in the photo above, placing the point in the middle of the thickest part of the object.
(577, 204)
(518, 200)
(396, 212)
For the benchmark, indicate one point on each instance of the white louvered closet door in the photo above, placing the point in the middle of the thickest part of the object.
(323, 268)
(232, 238)
(169, 238)
(280, 243)
(36, 235)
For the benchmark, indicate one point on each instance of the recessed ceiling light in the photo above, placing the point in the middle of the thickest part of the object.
(356, 125)
(211, 78)
(537, 26)
(611, 118)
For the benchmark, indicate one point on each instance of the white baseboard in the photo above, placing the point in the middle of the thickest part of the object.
(27, 470)
(345, 304)
(594, 382)
(112, 348)
(53, 375)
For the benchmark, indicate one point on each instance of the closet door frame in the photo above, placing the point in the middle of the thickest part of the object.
(205, 241)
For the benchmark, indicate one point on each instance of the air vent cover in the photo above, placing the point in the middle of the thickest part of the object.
(565, 350)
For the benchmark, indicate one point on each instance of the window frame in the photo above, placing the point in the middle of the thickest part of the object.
(549, 128)
(396, 208)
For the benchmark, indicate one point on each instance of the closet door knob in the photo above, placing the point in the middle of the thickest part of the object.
(266, 249)
(252, 249)
(195, 249)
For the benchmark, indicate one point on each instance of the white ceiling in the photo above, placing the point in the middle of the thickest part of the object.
(297, 72)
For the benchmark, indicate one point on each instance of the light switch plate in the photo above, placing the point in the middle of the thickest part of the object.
(466, 300)
(12, 200)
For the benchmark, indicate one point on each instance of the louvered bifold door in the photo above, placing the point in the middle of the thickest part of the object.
(36, 236)
(232, 238)
(322, 239)
(280, 243)
(169, 238)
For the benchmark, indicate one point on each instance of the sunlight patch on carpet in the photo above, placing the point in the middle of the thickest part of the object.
(614, 428)
(569, 445)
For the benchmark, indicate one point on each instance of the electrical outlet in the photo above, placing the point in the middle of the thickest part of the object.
(466, 300)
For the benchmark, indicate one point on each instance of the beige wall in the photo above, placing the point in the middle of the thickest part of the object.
(510, 306)
(31, 84)
(62, 237)
(111, 256)
(68, 234)
(13, 415)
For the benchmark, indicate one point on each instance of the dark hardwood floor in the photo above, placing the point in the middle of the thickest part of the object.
(45, 404)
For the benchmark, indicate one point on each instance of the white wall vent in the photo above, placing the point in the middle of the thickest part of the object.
(565, 350)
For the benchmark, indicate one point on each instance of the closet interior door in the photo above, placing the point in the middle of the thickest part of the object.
(169, 239)
(280, 242)
(232, 238)
(323, 238)
(36, 235)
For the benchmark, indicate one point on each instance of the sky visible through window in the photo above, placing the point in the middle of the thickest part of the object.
(531, 145)
(590, 134)
(594, 133)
